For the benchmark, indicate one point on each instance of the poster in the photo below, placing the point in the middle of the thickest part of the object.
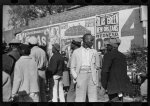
(124, 24)
(40, 33)
(107, 26)
(75, 30)
(45, 35)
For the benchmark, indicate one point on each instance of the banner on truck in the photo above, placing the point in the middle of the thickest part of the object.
(124, 24)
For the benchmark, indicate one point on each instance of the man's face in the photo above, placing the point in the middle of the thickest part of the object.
(109, 47)
(89, 41)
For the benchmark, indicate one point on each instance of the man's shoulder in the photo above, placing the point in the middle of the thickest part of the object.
(37, 50)
(6, 57)
(78, 50)
(108, 55)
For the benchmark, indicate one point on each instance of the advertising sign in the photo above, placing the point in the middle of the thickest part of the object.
(107, 25)
(124, 24)
(75, 30)
(45, 35)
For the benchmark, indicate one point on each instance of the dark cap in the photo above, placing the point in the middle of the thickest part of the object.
(24, 47)
(56, 46)
(14, 41)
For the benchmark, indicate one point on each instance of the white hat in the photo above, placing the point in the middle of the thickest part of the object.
(33, 40)
(115, 42)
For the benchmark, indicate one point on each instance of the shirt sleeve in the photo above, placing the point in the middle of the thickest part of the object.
(17, 79)
(52, 67)
(97, 60)
(73, 65)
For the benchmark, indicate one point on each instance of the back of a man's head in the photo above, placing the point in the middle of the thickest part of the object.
(25, 49)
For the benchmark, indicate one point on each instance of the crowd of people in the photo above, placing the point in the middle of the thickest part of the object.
(26, 68)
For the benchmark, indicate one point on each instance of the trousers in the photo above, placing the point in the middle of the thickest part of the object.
(42, 85)
(58, 89)
(71, 92)
(85, 86)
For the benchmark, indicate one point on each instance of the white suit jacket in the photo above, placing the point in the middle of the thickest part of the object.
(76, 62)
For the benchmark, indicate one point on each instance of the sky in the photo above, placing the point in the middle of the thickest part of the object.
(6, 17)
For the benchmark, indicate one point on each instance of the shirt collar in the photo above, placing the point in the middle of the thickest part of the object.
(35, 47)
(26, 57)
(85, 48)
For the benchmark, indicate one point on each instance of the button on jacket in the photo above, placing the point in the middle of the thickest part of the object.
(25, 76)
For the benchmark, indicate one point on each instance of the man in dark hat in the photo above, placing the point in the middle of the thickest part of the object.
(15, 54)
(7, 65)
(56, 66)
(71, 92)
(14, 45)
(114, 77)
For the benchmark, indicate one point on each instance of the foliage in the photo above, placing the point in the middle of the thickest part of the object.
(138, 55)
(21, 14)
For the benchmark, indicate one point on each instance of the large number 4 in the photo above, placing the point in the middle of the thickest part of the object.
(137, 31)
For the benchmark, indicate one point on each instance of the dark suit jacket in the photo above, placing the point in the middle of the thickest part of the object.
(114, 73)
(14, 54)
(56, 64)
(8, 63)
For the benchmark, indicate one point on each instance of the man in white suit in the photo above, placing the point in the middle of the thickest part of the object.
(84, 69)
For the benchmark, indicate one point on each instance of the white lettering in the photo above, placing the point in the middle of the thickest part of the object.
(39, 40)
(44, 40)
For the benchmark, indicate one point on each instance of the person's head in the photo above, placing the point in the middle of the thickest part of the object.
(25, 49)
(75, 45)
(33, 41)
(88, 40)
(14, 44)
(113, 44)
(55, 48)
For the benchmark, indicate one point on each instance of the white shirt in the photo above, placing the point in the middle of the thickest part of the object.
(85, 57)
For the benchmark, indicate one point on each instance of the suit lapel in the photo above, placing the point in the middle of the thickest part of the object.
(79, 59)
(91, 56)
